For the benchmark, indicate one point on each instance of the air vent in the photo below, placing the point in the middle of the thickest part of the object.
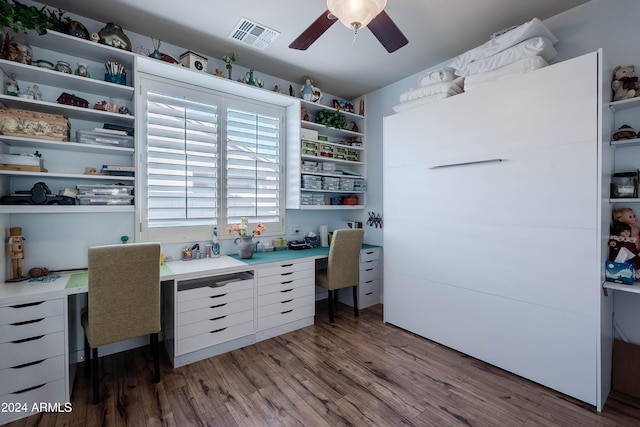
(253, 34)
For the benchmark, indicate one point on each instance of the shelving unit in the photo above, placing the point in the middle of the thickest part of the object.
(299, 159)
(624, 144)
(66, 160)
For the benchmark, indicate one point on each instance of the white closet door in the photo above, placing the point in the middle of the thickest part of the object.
(498, 259)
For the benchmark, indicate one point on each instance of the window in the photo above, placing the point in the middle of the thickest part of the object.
(207, 160)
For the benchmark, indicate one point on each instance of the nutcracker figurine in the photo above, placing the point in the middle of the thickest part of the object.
(16, 251)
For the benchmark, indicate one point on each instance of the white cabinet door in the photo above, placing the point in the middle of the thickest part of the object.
(491, 225)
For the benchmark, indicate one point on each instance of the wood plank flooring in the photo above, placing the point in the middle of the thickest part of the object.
(356, 372)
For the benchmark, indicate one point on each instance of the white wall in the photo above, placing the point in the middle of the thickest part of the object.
(608, 24)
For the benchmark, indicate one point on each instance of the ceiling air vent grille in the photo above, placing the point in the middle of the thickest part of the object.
(253, 34)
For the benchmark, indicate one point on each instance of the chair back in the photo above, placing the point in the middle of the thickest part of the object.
(124, 292)
(343, 266)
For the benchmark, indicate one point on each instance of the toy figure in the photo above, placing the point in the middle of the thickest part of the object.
(307, 89)
(12, 85)
(16, 251)
(627, 216)
(219, 73)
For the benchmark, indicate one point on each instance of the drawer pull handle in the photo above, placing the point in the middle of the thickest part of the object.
(218, 296)
(286, 290)
(369, 281)
(369, 253)
(27, 339)
(286, 265)
(369, 293)
(369, 269)
(284, 302)
(287, 274)
(474, 162)
(28, 389)
(26, 322)
(285, 312)
(219, 305)
(217, 330)
(28, 364)
(218, 318)
(288, 281)
(29, 304)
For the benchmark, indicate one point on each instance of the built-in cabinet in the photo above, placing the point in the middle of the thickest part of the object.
(65, 161)
(326, 170)
(498, 252)
(370, 280)
(34, 362)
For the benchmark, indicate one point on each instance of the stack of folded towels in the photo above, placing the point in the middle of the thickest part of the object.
(512, 51)
(432, 86)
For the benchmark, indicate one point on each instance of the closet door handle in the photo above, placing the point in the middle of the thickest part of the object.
(474, 162)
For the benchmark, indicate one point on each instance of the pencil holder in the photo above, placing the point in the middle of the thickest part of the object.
(120, 78)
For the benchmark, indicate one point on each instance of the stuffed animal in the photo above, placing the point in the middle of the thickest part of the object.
(625, 83)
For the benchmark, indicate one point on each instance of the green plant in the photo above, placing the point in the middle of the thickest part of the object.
(332, 119)
(21, 18)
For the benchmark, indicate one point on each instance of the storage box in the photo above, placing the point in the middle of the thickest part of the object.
(193, 60)
(624, 184)
(626, 368)
(308, 133)
(619, 272)
(104, 138)
(15, 159)
(30, 124)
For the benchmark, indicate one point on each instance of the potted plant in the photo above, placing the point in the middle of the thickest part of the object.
(21, 18)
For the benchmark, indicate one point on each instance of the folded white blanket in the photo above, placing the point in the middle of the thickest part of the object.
(533, 28)
(541, 46)
(440, 75)
(452, 87)
(403, 106)
(503, 73)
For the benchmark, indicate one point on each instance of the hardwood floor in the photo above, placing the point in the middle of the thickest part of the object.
(356, 372)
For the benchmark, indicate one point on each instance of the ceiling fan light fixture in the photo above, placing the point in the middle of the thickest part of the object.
(355, 14)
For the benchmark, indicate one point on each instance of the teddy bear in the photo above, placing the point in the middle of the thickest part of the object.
(625, 83)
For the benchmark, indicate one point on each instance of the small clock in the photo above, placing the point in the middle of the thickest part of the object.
(193, 60)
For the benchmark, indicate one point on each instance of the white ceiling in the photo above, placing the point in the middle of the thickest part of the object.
(437, 31)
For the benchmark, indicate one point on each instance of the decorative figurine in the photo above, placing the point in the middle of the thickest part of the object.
(156, 49)
(219, 73)
(112, 35)
(82, 71)
(35, 91)
(291, 91)
(12, 85)
(252, 81)
(627, 216)
(309, 92)
(16, 251)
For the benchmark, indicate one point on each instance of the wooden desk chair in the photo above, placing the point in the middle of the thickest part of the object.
(343, 268)
(123, 300)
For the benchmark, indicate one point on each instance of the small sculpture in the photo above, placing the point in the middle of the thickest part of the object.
(112, 35)
(16, 251)
(219, 73)
(12, 85)
(35, 91)
(229, 60)
(303, 114)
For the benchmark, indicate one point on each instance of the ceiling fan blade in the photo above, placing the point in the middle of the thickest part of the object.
(315, 30)
(387, 32)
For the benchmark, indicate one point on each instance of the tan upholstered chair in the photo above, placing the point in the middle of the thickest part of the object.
(343, 266)
(123, 300)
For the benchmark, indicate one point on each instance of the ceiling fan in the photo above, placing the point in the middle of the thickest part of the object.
(354, 14)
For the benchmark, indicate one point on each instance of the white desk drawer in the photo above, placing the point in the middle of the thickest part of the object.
(21, 352)
(54, 392)
(214, 311)
(214, 300)
(367, 299)
(215, 323)
(209, 291)
(32, 374)
(286, 285)
(24, 312)
(285, 268)
(31, 328)
(369, 274)
(284, 296)
(369, 286)
(285, 306)
(366, 265)
(277, 319)
(214, 337)
(369, 254)
(265, 282)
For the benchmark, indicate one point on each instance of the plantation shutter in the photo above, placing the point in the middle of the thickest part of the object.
(182, 159)
(253, 162)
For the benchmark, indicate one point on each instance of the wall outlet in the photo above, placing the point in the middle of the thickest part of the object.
(295, 229)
